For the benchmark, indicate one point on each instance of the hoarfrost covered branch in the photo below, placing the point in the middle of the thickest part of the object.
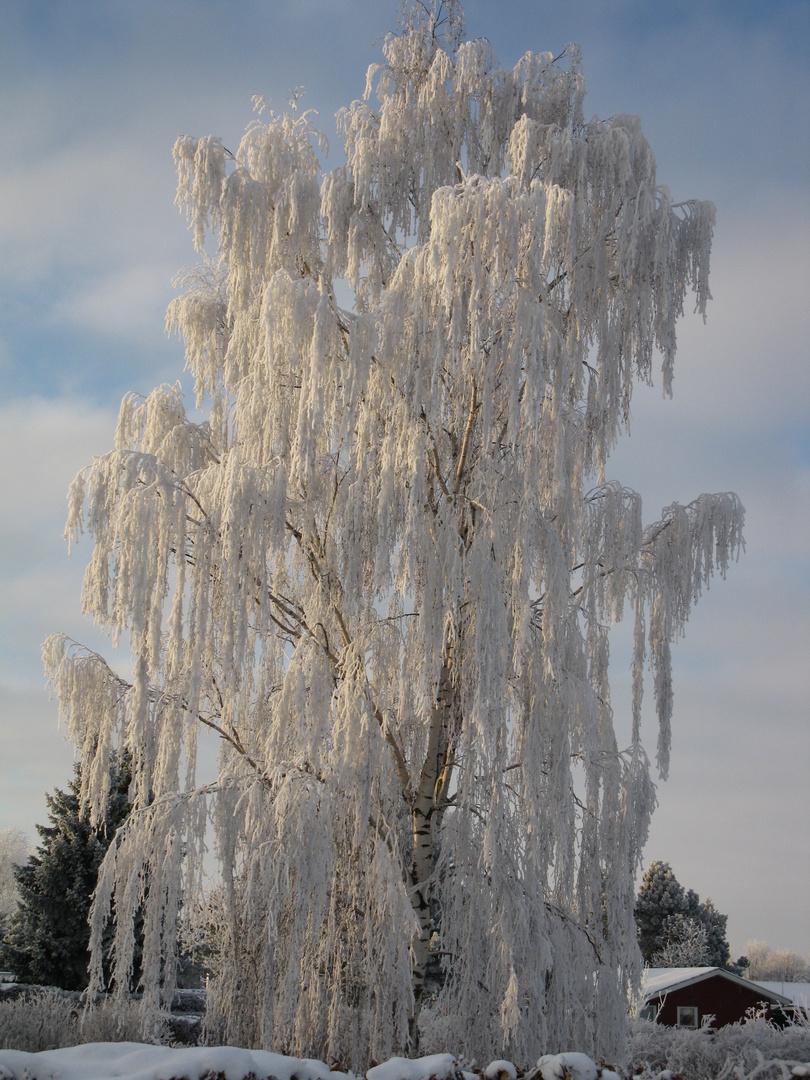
(383, 571)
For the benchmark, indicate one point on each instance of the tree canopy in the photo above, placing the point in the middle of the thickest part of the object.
(384, 568)
(766, 964)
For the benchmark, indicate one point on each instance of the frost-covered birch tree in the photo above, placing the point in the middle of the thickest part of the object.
(384, 570)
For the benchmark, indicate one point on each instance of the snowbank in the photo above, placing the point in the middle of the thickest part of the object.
(135, 1061)
(140, 1061)
(435, 1067)
(571, 1066)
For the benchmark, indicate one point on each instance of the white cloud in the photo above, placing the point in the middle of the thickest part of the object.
(30, 720)
(43, 444)
(90, 201)
(129, 301)
(752, 353)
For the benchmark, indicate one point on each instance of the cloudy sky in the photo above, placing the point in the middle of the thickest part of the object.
(94, 93)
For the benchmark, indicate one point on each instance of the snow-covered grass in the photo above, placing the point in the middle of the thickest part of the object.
(45, 1036)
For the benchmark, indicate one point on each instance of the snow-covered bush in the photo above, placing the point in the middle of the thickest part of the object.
(116, 1020)
(754, 1048)
(42, 1021)
(50, 1019)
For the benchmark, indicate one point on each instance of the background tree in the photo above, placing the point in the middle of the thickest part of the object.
(384, 569)
(686, 943)
(674, 928)
(14, 847)
(660, 897)
(775, 965)
(757, 953)
(715, 923)
(47, 937)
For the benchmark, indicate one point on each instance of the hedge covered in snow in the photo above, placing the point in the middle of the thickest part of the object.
(45, 1036)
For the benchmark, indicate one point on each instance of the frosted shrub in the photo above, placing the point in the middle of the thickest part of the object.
(116, 1020)
(437, 1033)
(754, 1048)
(50, 1019)
(38, 1021)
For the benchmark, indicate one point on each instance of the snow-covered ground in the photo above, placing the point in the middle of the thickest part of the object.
(141, 1061)
(138, 1061)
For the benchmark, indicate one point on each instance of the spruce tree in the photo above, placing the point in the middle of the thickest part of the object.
(661, 896)
(666, 916)
(47, 939)
(715, 923)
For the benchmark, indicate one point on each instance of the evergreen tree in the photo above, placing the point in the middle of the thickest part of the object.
(48, 936)
(676, 929)
(715, 923)
(661, 896)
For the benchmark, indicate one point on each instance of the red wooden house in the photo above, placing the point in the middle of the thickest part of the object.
(687, 997)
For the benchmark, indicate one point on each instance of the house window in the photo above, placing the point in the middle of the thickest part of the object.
(687, 1016)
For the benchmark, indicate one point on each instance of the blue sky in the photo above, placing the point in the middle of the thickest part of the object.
(93, 95)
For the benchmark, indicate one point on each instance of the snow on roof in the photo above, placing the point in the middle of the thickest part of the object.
(797, 992)
(657, 981)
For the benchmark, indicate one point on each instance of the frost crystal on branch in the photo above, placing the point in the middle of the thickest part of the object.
(384, 571)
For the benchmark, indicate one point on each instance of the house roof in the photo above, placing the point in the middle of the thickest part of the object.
(657, 981)
(798, 992)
